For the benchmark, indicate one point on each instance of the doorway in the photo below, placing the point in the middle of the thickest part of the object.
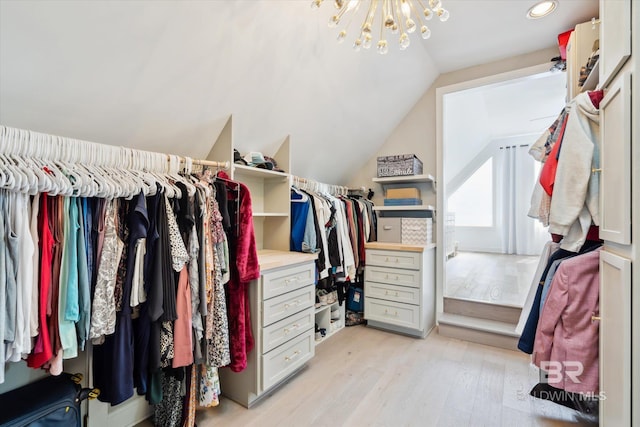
(486, 179)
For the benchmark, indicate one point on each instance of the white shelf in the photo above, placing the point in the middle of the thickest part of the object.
(259, 172)
(322, 308)
(270, 214)
(592, 80)
(401, 179)
(405, 208)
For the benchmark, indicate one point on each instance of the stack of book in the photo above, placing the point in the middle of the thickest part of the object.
(403, 197)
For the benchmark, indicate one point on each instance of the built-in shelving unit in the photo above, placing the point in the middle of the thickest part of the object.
(425, 183)
(579, 48)
(269, 191)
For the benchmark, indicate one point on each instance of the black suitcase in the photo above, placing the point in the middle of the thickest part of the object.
(49, 402)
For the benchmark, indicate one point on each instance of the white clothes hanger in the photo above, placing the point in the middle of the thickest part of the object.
(28, 144)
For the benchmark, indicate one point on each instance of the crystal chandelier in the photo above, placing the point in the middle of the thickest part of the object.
(397, 17)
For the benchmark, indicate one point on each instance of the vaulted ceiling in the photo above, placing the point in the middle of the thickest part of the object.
(166, 75)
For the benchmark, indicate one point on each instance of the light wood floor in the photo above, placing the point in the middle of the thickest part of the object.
(366, 377)
(494, 278)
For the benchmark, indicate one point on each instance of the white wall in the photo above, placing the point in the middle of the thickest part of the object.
(465, 128)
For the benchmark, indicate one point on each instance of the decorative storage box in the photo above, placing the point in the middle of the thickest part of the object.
(410, 231)
(399, 165)
(389, 230)
(416, 231)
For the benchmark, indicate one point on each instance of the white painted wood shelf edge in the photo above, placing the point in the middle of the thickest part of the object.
(270, 214)
(406, 178)
(405, 208)
(258, 172)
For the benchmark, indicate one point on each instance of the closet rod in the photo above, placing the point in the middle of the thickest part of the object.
(335, 188)
(212, 163)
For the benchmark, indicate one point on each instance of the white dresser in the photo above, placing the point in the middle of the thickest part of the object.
(399, 288)
(282, 319)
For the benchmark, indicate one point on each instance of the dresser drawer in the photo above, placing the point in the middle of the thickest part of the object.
(282, 331)
(394, 276)
(392, 293)
(410, 260)
(283, 360)
(392, 313)
(282, 306)
(278, 282)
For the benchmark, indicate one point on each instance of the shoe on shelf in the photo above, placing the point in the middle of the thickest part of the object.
(335, 314)
(332, 297)
(322, 296)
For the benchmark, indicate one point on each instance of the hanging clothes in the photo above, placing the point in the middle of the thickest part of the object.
(242, 248)
(568, 204)
(42, 350)
(566, 332)
(527, 338)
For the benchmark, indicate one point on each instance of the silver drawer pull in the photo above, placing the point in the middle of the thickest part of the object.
(293, 356)
(388, 313)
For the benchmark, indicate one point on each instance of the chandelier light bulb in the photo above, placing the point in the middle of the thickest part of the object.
(338, 4)
(342, 35)
(394, 29)
(443, 14)
(389, 22)
(333, 21)
(428, 14)
(367, 41)
(435, 4)
(357, 45)
(404, 41)
(425, 32)
(315, 4)
(411, 25)
(383, 47)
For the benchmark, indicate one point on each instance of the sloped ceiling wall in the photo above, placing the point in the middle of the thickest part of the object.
(166, 75)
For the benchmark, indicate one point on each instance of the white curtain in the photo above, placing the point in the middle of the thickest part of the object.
(515, 178)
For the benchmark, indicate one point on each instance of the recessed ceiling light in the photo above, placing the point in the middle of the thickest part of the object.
(542, 9)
